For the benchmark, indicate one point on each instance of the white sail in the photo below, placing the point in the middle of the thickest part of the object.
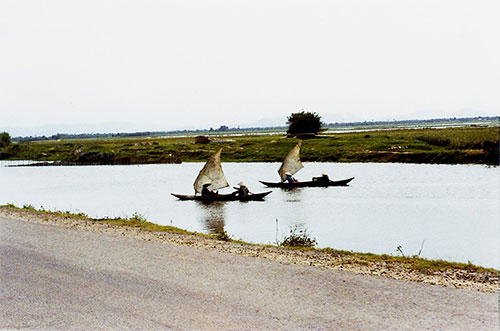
(291, 162)
(211, 173)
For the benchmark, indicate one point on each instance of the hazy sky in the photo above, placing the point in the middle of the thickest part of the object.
(194, 63)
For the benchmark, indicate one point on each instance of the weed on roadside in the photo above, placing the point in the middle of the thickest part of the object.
(298, 238)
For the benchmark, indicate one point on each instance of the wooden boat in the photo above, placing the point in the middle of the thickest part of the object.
(212, 175)
(291, 164)
(311, 183)
(223, 197)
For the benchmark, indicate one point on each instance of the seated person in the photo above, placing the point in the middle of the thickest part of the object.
(242, 190)
(289, 178)
(205, 192)
(324, 179)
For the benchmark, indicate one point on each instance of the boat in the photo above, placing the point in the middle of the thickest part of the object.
(212, 176)
(223, 197)
(310, 183)
(291, 164)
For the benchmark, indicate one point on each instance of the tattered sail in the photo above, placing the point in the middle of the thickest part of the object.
(291, 162)
(211, 173)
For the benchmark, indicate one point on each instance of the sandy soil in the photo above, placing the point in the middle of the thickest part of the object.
(483, 281)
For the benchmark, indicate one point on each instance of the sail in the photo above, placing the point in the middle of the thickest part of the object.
(291, 162)
(211, 173)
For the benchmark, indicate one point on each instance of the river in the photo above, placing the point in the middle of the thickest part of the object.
(448, 212)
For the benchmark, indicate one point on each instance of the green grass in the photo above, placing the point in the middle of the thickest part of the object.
(143, 224)
(410, 262)
(135, 221)
(450, 146)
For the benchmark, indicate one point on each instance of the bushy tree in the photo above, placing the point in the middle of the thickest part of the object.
(4, 139)
(304, 122)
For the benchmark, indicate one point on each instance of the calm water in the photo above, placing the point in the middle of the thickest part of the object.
(453, 209)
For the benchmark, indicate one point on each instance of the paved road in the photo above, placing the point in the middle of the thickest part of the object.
(59, 278)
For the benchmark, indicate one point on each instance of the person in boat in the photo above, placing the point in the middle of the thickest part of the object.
(205, 192)
(242, 190)
(289, 178)
(323, 179)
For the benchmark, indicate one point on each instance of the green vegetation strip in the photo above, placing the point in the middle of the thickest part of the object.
(413, 262)
(135, 221)
(466, 145)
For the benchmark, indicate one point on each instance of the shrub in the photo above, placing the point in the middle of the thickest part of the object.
(298, 238)
(137, 217)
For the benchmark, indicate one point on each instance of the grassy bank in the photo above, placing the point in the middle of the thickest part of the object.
(135, 221)
(468, 145)
(326, 257)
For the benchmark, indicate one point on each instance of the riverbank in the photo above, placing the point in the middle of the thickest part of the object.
(449, 274)
(462, 145)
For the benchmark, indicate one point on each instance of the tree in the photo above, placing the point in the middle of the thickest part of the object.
(304, 122)
(4, 139)
(223, 128)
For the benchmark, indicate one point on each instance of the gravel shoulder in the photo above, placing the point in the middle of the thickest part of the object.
(460, 278)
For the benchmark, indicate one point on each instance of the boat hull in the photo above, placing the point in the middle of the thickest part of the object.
(223, 197)
(342, 182)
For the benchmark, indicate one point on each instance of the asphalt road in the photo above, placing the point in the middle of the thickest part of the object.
(59, 278)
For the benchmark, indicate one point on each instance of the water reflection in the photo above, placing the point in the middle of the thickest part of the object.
(213, 216)
(293, 194)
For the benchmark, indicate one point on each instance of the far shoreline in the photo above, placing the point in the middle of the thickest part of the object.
(459, 145)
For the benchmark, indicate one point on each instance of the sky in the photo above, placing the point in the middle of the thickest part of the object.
(172, 64)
